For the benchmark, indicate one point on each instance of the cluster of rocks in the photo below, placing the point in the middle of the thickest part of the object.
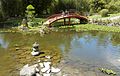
(41, 68)
(107, 22)
(44, 30)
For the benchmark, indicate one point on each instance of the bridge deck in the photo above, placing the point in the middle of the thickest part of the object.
(56, 17)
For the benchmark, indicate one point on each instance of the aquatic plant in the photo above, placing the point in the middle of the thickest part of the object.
(107, 71)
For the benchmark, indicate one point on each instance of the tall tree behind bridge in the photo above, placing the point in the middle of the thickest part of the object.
(11, 8)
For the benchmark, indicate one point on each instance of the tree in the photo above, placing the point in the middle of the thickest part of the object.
(97, 5)
(113, 6)
(1, 12)
(40, 5)
(30, 12)
(11, 8)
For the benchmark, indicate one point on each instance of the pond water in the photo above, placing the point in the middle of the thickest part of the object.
(83, 49)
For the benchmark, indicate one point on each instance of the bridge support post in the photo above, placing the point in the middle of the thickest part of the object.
(64, 21)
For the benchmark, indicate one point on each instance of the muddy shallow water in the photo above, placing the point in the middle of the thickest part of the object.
(79, 54)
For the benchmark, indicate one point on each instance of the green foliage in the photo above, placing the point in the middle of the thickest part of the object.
(75, 5)
(30, 12)
(117, 3)
(16, 8)
(104, 12)
(11, 8)
(111, 7)
(30, 7)
(97, 5)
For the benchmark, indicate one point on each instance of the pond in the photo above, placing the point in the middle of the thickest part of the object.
(83, 51)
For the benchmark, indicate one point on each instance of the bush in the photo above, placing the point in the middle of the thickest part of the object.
(104, 12)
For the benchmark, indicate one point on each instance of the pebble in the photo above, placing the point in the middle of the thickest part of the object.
(48, 57)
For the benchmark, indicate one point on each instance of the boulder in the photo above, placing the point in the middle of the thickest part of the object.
(27, 71)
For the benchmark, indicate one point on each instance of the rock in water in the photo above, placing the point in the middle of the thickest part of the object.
(46, 66)
(46, 74)
(33, 53)
(43, 70)
(27, 71)
(55, 70)
(37, 74)
(41, 65)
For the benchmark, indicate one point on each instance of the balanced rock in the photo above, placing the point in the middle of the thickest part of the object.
(33, 53)
(35, 49)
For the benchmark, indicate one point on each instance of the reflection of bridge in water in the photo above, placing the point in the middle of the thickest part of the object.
(56, 17)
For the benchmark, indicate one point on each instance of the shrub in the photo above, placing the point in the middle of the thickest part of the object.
(104, 12)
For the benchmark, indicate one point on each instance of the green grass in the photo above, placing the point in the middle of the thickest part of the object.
(95, 16)
(99, 16)
(92, 27)
(39, 19)
(112, 15)
(12, 22)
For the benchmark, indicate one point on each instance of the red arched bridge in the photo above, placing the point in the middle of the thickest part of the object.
(56, 17)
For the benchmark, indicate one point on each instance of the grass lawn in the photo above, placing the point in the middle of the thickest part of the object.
(92, 27)
(99, 16)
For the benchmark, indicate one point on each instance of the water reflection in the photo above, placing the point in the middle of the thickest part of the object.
(115, 39)
(95, 49)
(3, 43)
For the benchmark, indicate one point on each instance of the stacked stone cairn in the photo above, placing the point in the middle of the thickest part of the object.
(35, 49)
(24, 25)
(41, 68)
